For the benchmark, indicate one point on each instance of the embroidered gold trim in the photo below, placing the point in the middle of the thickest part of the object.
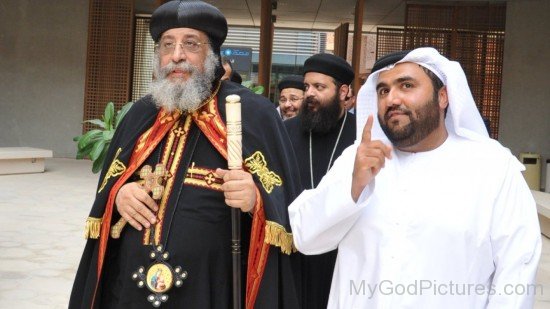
(276, 235)
(166, 116)
(257, 164)
(116, 229)
(208, 119)
(172, 169)
(93, 227)
(202, 183)
(142, 140)
(203, 177)
(116, 169)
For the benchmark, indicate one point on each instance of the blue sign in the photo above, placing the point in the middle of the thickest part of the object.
(240, 58)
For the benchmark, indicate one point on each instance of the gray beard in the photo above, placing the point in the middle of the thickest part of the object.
(185, 95)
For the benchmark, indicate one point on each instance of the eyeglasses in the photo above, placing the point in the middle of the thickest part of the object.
(292, 100)
(168, 47)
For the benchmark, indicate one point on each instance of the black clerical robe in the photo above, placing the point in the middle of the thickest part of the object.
(195, 224)
(316, 270)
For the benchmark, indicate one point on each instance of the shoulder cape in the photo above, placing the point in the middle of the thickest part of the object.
(267, 155)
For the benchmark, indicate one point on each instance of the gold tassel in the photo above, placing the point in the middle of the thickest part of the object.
(276, 235)
(93, 227)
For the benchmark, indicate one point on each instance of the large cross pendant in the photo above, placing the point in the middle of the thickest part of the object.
(153, 180)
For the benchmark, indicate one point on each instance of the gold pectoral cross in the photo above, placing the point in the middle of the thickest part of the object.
(153, 180)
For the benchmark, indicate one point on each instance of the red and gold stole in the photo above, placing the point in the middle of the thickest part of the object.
(209, 121)
(172, 154)
(144, 147)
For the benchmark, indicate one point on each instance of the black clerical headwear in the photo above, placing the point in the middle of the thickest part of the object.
(330, 65)
(190, 14)
(292, 81)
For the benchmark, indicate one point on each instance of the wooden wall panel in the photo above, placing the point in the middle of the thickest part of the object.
(109, 58)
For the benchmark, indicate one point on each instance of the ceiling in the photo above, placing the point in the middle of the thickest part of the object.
(310, 14)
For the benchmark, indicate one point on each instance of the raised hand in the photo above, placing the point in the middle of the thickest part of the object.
(135, 205)
(369, 160)
(238, 188)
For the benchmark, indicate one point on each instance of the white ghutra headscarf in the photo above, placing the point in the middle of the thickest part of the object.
(463, 118)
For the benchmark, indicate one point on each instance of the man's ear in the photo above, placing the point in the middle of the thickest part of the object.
(343, 92)
(443, 97)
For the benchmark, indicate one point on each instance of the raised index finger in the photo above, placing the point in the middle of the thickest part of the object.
(366, 137)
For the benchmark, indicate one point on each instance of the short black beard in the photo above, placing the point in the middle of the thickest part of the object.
(322, 121)
(419, 127)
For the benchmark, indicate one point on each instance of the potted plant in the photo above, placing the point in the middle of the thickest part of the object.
(94, 143)
(256, 89)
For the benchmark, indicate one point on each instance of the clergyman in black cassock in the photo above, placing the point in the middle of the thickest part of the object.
(193, 221)
(319, 135)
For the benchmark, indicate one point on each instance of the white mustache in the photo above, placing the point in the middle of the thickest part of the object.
(184, 66)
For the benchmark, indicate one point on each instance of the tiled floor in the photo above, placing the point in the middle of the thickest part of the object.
(41, 224)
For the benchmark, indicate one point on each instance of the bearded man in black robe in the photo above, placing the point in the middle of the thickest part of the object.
(319, 135)
(183, 235)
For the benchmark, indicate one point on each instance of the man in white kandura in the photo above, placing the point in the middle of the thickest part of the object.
(432, 213)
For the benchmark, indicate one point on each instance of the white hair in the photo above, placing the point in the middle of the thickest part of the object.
(185, 95)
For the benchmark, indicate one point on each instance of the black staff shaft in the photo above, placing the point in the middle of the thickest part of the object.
(235, 161)
(236, 256)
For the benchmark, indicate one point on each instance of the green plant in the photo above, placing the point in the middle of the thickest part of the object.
(94, 143)
(250, 85)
